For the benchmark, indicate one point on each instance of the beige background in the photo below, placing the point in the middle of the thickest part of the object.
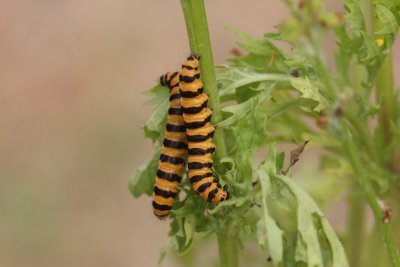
(72, 75)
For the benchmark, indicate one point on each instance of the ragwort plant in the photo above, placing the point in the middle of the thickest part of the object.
(268, 97)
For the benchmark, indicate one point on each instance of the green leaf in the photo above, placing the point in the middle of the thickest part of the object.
(388, 20)
(306, 210)
(241, 110)
(155, 125)
(263, 56)
(269, 232)
(316, 244)
(142, 180)
(354, 17)
(236, 78)
(310, 91)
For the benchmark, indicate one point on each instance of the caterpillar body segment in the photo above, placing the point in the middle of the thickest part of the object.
(172, 163)
(199, 133)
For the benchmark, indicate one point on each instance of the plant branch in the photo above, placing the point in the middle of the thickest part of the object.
(374, 202)
(356, 219)
(384, 86)
(200, 45)
(227, 250)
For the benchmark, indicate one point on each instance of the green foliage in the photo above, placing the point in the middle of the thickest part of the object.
(155, 126)
(314, 241)
(270, 95)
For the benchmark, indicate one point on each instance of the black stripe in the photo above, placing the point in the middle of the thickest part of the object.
(172, 160)
(171, 177)
(212, 194)
(174, 144)
(174, 96)
(161, 207)
(199, 138)
(189, 79)
(190, 94)
(189, 67)
(164, 193)
(198, 124)
(200, 151)
(203, 187)
(194, 110)
(197, 178)
(175, 111)
(199, 165)
(163, 80)
(176, 128)
(175, 85)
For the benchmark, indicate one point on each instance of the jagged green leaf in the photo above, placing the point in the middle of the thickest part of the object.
(310, 91)
(155, 125)
(389, 24)
(269, 233)
(142, 180)
(317, 244)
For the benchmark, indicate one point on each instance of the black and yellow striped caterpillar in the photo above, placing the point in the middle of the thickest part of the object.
(199, 133)
(172, 162)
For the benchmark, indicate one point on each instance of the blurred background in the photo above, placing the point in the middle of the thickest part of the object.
(72, 76)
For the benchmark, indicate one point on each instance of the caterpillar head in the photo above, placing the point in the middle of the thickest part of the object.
(192, 62)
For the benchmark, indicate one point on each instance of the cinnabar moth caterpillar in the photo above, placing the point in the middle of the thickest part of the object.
(172, 162)
(199, 132)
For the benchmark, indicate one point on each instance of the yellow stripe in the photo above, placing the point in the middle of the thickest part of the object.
(197, 117)
(166, 185)
(171, 168)
(176, 136)
(174, 152)
(208, 128)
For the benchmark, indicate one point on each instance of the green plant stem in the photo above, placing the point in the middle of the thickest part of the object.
(356, 219)
(200, 45)
(384, 85)
(364, 135)
(226, 250)
(375, 204)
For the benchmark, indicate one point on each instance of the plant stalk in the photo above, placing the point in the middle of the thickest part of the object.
(200, 45)
(226, 250)
(384, 84)
(374, 202)
(356, 219)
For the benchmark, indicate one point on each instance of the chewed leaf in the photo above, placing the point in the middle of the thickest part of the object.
(307, 209)
(310, 91)
(269, 232)
(316, 243)
(142, 180)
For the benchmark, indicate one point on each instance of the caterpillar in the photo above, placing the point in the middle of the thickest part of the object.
(172, 162)
(199, 133)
